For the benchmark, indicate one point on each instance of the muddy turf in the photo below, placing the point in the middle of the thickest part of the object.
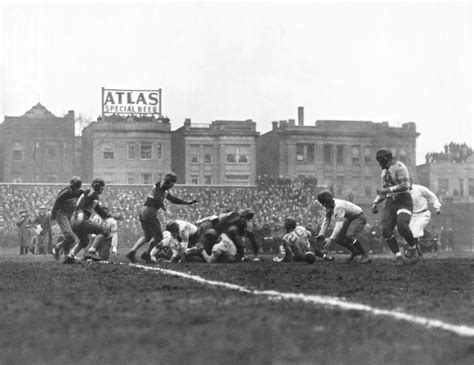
(95, 313)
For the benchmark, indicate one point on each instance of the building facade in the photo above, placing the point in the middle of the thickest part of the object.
(448, 179)
(126, 150)
(338, 153)
(220, 153)
(37, 147)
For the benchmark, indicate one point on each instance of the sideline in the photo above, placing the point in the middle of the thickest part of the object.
(334, 302)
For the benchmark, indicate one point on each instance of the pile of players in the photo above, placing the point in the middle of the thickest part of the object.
(220, 238)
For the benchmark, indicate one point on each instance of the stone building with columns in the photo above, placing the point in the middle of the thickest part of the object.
(220, 153)
(338, 153)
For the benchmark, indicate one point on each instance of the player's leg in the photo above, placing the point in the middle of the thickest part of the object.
(388, 223)
(147, 233)
(404, 204)
(354, 231)
(102, 232)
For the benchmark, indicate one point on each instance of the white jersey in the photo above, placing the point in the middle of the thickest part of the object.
(343, 209)
(186, 230)
(421, 196)
(224, 250)
(171, 243)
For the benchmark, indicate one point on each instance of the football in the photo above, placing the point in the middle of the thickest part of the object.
(310, 257)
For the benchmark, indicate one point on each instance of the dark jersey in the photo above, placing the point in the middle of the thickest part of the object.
(66, 202)
(157, 196)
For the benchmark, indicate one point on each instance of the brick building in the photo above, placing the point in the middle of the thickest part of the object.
(37, 147)
(336, 152)
(220, 153)
(134, 150)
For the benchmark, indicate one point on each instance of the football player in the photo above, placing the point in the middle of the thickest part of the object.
(349, 224)
(398, 208)
(151, 226)
(223, 248)
(296, 246)
(185, 232)
(421, 196)
(62, 211)
(81, 223)
(235, 225)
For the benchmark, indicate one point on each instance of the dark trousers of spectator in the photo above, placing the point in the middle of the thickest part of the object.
(24, 243)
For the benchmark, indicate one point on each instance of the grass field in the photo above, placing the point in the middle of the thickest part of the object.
(95, 313)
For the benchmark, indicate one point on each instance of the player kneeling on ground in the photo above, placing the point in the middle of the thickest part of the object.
(223, 250)
(349, 220)
(101, 244)
(296, 246)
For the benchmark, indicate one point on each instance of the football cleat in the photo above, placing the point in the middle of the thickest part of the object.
(92, 255)
(131, 256)
(55, 253)
(69, 260)
(146, 257)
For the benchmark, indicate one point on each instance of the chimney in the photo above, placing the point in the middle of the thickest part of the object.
(291, 123)
(300, 115)
(274, 125)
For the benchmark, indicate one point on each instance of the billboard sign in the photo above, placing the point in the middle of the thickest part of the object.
(131, 102)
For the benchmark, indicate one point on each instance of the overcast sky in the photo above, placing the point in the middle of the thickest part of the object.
(378, 61)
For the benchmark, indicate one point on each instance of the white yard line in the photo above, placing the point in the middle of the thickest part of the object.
(334, 302)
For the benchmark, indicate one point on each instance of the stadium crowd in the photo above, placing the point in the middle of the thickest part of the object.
(272, 200)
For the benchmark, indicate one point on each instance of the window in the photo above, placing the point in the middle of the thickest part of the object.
(461, 187)
(146, 178)
(471, 187)
(132, 151)
(194, 153)
(194, 180)
(17, 151)
(208, 179)
(310, 152)
(305, 153)
(443, 185)
(108, 151)
(339, 185)
(237, 153)
(131, 178)
(355, 150)
(145, 151)
(158, 151)
(36, 150)
(340, 155)
(51, 151)
(237, 179)
(367, 155)
(207, 154)
(355, 185)
(327, 152)
(299, 152)
(109, 178)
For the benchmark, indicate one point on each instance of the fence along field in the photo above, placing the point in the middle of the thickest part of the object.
(125, 314)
